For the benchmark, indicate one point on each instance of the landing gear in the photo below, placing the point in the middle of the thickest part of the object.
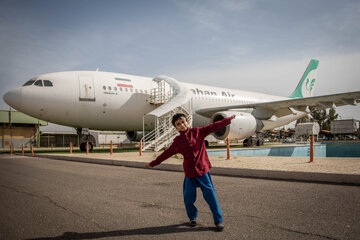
(260, 142)
(254, 141)
(85, 137)
(83, 146)
(248, 142)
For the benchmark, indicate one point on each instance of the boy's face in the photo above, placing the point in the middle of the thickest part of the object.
(181, 124)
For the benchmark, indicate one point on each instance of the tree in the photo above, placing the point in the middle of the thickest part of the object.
(325, 118)
(332, 116)
(319, 116)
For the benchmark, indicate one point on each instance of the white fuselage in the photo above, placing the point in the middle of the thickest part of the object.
(114, 101)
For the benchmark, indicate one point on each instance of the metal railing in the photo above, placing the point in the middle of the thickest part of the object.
(160, 95)
(164, 131)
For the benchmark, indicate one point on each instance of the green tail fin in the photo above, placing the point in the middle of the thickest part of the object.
(306, 86)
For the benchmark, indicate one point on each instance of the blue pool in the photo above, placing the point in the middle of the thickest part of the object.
(325, 149)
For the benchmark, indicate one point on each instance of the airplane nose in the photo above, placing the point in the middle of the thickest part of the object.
(13, 98)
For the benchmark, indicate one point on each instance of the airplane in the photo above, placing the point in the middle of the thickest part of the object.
(118, 102)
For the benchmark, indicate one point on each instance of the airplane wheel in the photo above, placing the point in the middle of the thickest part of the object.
(259, 142)
(90, 147)
(83, 147)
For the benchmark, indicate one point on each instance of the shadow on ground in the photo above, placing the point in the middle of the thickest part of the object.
(176, 228)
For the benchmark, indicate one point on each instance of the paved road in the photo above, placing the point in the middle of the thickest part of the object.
(52, 199)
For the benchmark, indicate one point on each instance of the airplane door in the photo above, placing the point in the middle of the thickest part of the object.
(86, 88)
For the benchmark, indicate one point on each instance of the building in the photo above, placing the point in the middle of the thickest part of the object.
(347, 129)
(19, 129)
(59, 139)
(97, 138)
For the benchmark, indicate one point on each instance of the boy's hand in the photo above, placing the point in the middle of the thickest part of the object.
(233, 116)
(147, 166)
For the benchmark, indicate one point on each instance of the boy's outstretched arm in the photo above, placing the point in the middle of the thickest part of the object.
(162, 157)
(216, 126)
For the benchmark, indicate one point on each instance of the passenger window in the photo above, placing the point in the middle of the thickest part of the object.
(126, 89)
(131, 90)
(48, 83)
(136, 90)
(28, 83)
(146, 91)
(38, 83)
(109, 88)
(115, 88)
(121, 89)
(104, 87)
(141, 90)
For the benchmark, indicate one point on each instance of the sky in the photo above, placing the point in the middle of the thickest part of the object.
(255, 45)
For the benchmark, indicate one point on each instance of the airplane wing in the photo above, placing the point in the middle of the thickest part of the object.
(287, 106)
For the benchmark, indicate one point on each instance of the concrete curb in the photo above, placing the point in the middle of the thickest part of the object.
(334, 178)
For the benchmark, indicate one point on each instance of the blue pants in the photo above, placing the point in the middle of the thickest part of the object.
(207, 188)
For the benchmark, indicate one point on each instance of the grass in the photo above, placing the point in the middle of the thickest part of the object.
(75, 151)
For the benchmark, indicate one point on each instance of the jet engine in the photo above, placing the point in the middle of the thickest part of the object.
(242, 126)
(134, 136)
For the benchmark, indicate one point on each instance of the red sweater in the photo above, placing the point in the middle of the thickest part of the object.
(191, 145)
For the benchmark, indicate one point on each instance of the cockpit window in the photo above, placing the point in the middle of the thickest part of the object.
(38, 83)
(48, 83)
(30, 82)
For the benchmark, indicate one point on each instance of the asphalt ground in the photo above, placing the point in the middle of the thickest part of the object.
(325, 170)
(49, 199)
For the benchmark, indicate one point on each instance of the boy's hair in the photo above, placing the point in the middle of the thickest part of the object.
(177, 117)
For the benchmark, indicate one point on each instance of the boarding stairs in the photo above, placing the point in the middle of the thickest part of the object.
(170, 97)
(161, 94)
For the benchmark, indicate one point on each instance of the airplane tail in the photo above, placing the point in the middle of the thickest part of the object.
(306, 86)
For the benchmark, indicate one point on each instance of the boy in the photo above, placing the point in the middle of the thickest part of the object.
(190, 143)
